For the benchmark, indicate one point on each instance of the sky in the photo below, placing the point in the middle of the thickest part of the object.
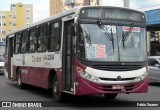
(142, 5)
(41, 7)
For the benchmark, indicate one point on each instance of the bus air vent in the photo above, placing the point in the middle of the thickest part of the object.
(117, 67)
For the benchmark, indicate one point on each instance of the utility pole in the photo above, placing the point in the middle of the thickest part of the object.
(126, 3)
(97, 2)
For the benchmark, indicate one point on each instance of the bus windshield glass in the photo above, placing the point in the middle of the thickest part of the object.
(108, 44)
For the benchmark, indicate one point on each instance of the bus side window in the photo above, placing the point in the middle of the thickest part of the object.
(54, 36)
(17, 43)
(24, 41)
(42, 38)
(32, 40)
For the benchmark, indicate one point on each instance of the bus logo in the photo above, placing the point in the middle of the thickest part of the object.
(119, 78)
(6, 104)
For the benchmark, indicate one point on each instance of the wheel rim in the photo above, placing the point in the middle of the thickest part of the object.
(56, 91)
(19, 80)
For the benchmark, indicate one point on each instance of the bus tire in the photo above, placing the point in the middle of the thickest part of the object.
(110, 96)
(57, 95)
(19, 80)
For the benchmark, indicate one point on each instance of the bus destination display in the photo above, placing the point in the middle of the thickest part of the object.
(123, 14)
(117, 14)
(91, 13)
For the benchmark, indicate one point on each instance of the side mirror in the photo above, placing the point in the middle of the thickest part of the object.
(157, 65)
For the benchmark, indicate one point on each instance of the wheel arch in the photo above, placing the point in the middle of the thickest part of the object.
(17, 68)
(51, 75)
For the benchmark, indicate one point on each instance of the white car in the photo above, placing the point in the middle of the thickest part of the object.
(1, 65)
(154, 68)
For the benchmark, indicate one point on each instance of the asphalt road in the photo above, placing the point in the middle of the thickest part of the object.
(10, 92)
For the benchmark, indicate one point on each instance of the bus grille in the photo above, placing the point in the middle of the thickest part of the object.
(126, 88)
(117, 67)
(115, 79)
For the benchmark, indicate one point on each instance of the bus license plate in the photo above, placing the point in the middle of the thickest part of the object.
(116, 87)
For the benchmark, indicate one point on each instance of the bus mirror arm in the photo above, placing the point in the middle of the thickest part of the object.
(74, 24)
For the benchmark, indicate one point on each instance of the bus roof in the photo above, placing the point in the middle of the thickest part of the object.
(75, 10)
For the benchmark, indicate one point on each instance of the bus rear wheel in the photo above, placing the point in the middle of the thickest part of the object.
(57, 95)
(110, 96)
(19, 80)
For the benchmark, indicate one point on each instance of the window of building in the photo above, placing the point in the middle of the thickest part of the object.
(42, 38)
(54, 36)
(17, 45)
(3, 39)
(14, 16)
(28, 10)
(27, 17)
(3, 17)
(14, 24)
(32, 39)
(20, 5)
(3, 32)
(24, 41)
(3, 24)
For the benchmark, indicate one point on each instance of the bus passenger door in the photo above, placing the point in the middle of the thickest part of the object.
(68, 56)
(10, 57)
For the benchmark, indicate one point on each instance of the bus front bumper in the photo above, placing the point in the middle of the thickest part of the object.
(85, 87)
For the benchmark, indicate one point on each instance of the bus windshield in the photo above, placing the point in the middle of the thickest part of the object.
(96, 44)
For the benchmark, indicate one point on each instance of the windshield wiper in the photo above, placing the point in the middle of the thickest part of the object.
(103, 28)
(125, 35)
(88, 38)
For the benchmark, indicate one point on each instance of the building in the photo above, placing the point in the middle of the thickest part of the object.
(95, 2)
(57, 6)
(18, 16)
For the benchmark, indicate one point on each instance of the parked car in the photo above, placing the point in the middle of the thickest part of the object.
(154, 68)
(1, 64)
(2, 49)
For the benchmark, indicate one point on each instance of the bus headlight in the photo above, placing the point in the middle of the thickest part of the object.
(142, 77)
(86, 75)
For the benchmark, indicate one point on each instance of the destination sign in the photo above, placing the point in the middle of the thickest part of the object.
(112, 13)
(123, 14)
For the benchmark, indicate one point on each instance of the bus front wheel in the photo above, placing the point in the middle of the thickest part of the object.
(110, 96)
(57, 95)
(19, 80)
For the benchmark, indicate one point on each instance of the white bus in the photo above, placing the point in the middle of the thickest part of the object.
(86, 50)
